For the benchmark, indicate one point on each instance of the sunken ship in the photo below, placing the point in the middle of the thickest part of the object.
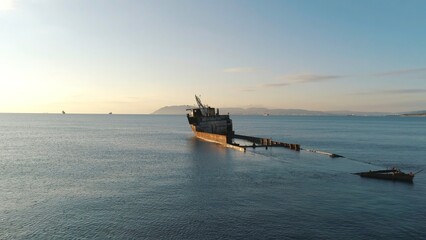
(209, 125)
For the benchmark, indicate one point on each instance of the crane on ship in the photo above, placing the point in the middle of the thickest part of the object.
(203, 109)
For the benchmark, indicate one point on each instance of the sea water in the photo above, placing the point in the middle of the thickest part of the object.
(146, 177)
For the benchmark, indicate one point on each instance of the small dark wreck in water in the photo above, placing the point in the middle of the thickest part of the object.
(393, 174)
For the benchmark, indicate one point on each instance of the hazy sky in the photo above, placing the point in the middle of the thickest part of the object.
(97, 56)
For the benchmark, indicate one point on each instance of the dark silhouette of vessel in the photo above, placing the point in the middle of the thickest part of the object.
(208, 124)
(392, 174)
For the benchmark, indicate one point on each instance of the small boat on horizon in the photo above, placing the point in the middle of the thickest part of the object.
(63, 112)
(392, 174)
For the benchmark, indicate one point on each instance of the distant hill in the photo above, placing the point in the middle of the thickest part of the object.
(262, 111)
(181, 110)
(415, 114)
(355, 113)
(172, 110)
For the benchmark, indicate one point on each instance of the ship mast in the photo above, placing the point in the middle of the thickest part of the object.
(204, 109)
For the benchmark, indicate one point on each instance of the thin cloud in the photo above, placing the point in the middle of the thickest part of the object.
(276, 84)
(405, 91)
(248, 90)
(395, 91)
(301, 78)
(312, 78)
(306, 78)
(240, 70)
(400, 72)
(7, 5)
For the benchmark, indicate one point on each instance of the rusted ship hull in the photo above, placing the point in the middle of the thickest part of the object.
(211, 137)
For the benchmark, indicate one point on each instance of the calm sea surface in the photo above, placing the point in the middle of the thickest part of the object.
(146, 177)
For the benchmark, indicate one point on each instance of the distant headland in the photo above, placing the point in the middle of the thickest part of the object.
(415, 114)
(181, 110)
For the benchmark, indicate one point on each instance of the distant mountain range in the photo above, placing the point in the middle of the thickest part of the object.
(181, 110)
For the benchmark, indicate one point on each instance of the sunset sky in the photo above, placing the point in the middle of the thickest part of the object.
(135, 56)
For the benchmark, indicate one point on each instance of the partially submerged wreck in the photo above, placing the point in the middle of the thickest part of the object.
(208, 124)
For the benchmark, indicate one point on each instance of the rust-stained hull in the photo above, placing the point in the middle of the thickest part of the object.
(209, 125)
(211, 137)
